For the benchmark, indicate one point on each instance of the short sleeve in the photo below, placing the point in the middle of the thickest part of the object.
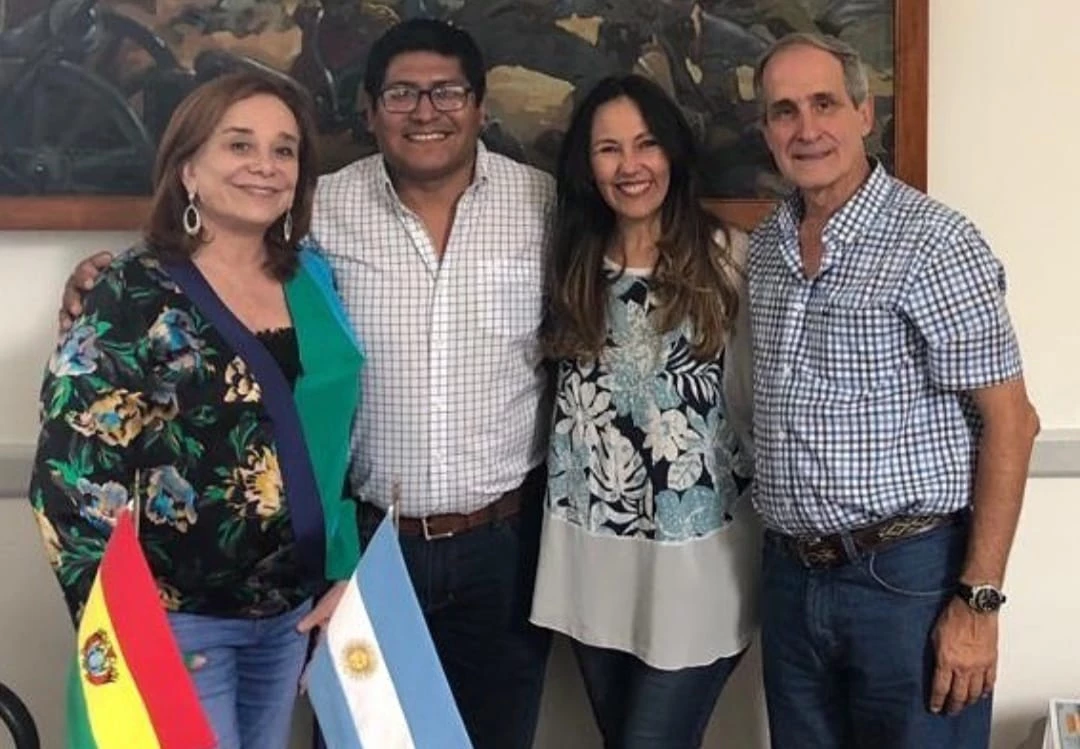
(957, 304)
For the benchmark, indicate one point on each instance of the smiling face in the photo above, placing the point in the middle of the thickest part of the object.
(426, 145)
(631, 170)
(812, 127)
(245, 174)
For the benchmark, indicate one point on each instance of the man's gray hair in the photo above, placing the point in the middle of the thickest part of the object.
(855, 81)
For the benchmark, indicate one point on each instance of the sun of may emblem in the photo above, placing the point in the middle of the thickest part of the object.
(359, 659)
(98, 659)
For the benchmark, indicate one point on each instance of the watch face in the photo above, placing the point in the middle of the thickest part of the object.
(986, 598)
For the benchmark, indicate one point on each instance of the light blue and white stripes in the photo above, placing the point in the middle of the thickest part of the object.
(375, 680)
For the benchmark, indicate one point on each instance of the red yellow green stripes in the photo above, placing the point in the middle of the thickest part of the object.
(150, 650)
(129, 687)
(117, 712)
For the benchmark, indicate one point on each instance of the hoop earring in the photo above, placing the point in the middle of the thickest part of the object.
(191, 219)
(286, 226)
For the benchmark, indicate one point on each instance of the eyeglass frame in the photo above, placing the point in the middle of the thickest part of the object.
(421, 93)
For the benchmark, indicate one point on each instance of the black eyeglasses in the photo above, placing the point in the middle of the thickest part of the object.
(446, 97)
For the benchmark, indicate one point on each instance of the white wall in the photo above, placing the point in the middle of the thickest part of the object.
(34, 266)
(1003, 148)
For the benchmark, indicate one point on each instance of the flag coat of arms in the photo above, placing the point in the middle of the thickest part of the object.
(375, 680)
(129, 688)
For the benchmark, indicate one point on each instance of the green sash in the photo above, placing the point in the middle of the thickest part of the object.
(327, 394)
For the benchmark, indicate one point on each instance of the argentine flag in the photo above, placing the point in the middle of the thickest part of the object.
(375, 680)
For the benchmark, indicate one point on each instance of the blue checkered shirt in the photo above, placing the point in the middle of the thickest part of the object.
(862, 375)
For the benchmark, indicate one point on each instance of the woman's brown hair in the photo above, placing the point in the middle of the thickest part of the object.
(191, 126)
(695, 279)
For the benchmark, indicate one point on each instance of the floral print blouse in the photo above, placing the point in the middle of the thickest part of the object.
(641, 446)
(145, 405)
(650, 545)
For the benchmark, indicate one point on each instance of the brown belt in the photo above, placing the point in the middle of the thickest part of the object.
(828, 551)
(434, 527)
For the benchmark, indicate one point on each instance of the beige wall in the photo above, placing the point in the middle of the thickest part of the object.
(1003, 148)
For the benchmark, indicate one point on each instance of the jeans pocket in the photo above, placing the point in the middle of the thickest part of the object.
(924, 567)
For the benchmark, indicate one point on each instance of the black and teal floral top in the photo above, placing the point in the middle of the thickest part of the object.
(146, 405)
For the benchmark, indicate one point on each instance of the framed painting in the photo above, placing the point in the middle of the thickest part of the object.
(87, 86)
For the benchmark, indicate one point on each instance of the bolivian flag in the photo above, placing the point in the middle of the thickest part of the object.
(129, 688)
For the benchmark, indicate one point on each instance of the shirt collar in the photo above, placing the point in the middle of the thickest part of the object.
(845, 226)
(854, 216)
(481, 173)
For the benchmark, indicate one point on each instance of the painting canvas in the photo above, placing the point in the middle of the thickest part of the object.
(87, 86)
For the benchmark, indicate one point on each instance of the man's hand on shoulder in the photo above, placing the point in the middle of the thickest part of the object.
(79, 282)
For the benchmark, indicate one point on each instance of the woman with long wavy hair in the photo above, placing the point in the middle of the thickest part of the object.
(649, 551)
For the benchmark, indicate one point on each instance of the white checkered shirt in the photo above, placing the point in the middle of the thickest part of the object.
(861, 374)
(452, 388)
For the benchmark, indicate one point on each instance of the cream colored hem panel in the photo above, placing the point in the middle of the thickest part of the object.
(673, 605)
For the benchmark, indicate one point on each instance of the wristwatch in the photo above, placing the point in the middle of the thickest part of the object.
(984, 598)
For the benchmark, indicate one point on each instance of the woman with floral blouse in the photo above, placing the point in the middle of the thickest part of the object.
(210, 385)
(649, 551)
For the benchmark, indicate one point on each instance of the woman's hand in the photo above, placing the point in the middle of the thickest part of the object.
(317, 619)
(324, 609)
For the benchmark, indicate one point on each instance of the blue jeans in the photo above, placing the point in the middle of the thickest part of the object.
(475, 590)
(637, 706)
(847, 654)
(248, 682)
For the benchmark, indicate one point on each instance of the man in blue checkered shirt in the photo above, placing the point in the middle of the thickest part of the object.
(892, 432)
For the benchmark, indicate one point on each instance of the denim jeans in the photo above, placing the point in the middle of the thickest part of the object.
(637, 706)
(847, 651)
(250, 672)
(475, 590)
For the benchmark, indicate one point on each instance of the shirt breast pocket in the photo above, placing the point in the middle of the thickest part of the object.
(367, 292)
(512, 297)
(857, 349)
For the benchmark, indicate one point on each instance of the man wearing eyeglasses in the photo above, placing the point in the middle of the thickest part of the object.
(437, 246)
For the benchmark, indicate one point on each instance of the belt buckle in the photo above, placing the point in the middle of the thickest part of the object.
(816, 553)
(429, 536)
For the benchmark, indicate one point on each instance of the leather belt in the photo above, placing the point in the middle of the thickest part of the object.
(435, 527)
(822, 552)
